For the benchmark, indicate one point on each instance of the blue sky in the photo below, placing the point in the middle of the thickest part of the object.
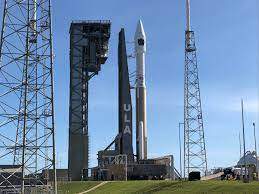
(227, 42)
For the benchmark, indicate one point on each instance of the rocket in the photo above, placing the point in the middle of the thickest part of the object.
(141, 123)
(123, 144)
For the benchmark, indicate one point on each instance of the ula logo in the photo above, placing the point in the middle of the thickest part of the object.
(127, 109)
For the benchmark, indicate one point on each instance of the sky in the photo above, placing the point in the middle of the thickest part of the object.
(227, 48)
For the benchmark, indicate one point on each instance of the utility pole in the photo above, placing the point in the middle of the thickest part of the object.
(240, 152)
(180, 148)
(244, 143)
(257, 169)
(240, 146)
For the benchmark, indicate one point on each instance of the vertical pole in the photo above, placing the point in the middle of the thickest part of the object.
(240, 146)
(52, 103)
(172, 167)
(2, 30)
(188, 22)
(188, 150)
(25, 99)
(188, 17)
(244, 144)
(240, 153)
(180, 149)
(256, 168)
(184, 145)
(33, 23)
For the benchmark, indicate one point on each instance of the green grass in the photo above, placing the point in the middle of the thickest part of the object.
(75, 187)
(166, 187)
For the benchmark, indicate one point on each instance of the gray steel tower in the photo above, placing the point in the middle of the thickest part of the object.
(194, 142)
(27, 135)
(88, 50)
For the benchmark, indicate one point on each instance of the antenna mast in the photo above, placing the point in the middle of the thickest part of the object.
(188, 17)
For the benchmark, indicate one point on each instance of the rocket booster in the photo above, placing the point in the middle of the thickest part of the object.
(124, 143)
(141, 126)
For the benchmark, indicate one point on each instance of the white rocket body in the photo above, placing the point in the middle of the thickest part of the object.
(141, 131)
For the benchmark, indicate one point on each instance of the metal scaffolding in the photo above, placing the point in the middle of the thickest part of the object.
(88, 50)
(194, 141)
(27, 135)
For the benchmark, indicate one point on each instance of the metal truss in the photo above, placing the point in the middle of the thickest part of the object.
(88, 50)
(27, 139)
(194, 142)
(78, 112)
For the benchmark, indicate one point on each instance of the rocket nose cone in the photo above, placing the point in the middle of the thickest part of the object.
(140, 33)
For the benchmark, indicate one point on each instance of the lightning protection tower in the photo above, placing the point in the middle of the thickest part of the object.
(194, 142)
(27, 138)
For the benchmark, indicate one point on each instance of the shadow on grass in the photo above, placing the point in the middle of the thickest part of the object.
(173, 186)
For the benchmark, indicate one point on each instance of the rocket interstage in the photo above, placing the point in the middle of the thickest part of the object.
(141, 126)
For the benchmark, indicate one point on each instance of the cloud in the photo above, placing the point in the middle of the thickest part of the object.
(213, 99)
(234, 105)
(230, 101)
(249, 106)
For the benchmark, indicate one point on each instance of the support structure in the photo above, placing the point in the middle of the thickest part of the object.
(195, 158)
(27, 135)
(88, 50)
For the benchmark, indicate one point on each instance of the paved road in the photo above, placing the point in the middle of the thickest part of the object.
(213, 176)
(95, 187)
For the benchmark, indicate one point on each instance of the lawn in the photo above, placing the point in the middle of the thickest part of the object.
(165, 187)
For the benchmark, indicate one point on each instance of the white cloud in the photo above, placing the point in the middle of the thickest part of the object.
(249, 106)
(230, 101)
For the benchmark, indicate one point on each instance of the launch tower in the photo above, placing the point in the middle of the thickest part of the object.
(88, 50)
(194, 141)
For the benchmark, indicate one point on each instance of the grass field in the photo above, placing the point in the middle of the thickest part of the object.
(164, 187)
(75, 187)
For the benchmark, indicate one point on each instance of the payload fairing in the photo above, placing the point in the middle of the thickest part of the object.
(141, 127)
